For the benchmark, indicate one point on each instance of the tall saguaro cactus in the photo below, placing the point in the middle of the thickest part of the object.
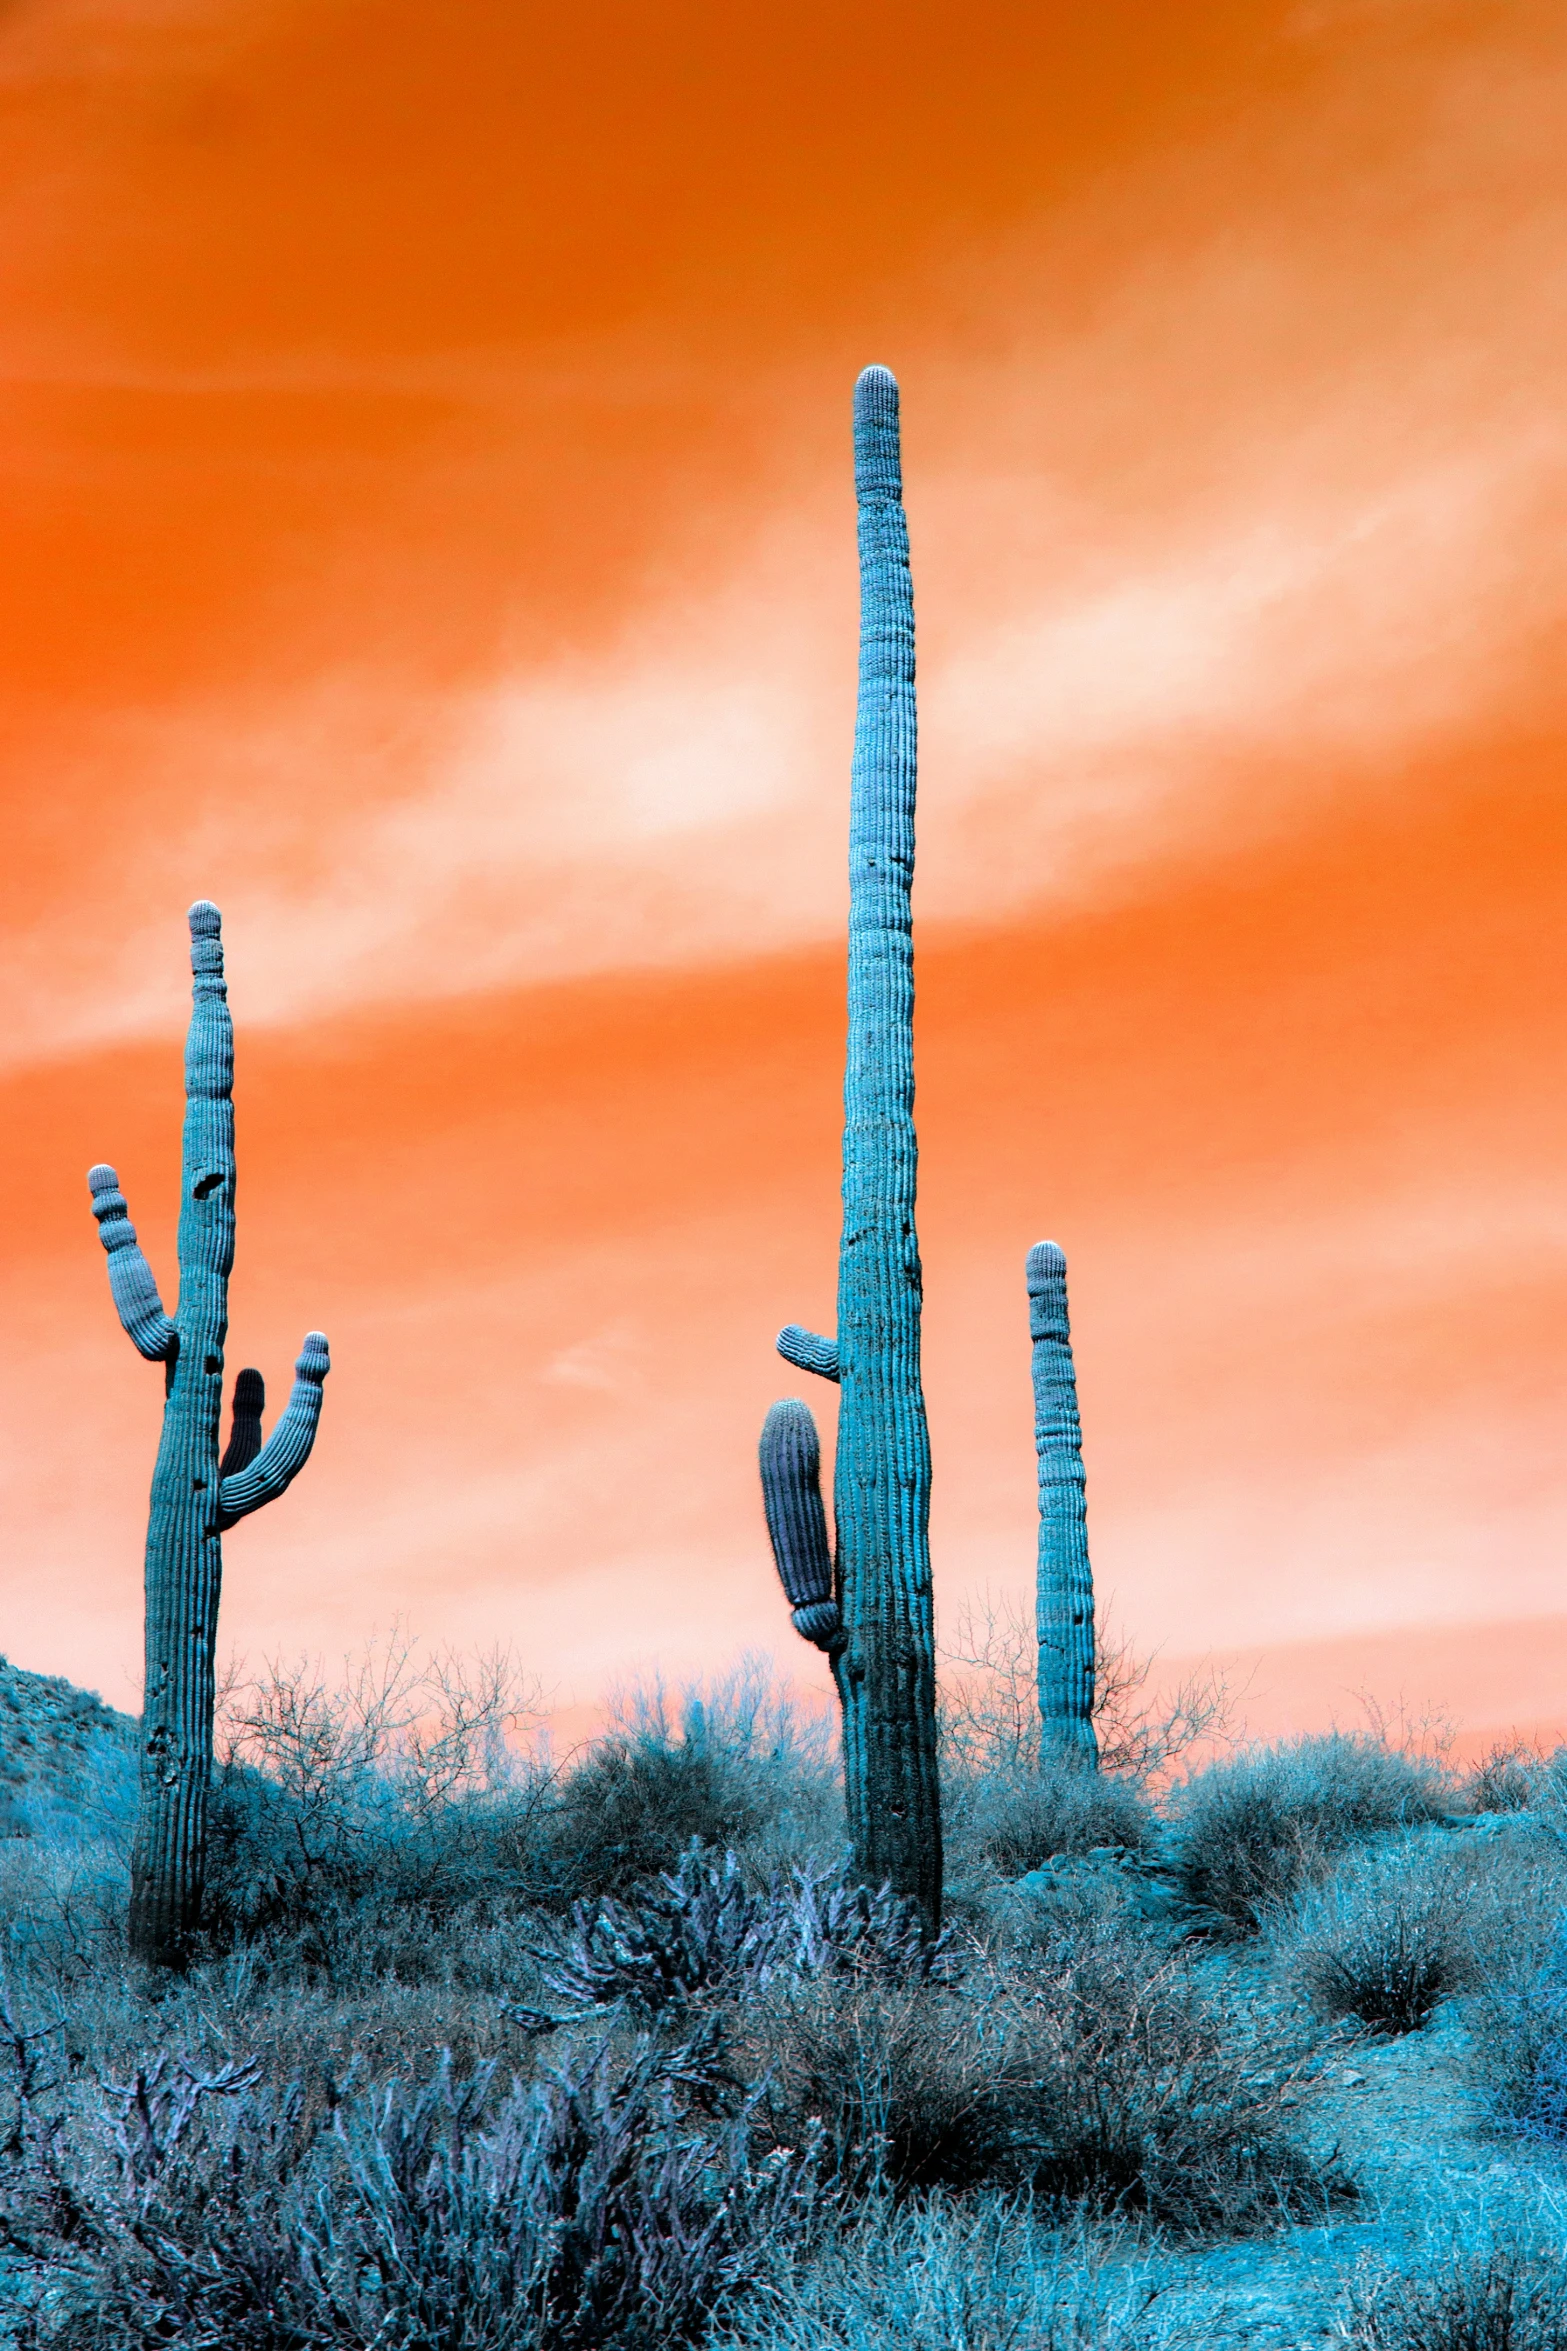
(1064, 1592)
(882, 1645)
(195, 1497)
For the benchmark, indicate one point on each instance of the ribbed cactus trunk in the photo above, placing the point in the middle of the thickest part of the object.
(184, 1560)
(881, 1477)
(1064, 1592)
(883, 1645)
(193, 1497)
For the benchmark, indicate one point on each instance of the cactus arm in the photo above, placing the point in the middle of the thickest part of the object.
(131, 1285)
(808, 1351)
(250, 1401)
(1065, 1583)
(287, 1450)
(791, 1463)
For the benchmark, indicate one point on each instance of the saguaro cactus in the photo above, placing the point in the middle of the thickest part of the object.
(1064, 1592)
(194, 1496)
(883, 1646)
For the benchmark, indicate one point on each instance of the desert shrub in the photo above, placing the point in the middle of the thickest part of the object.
(633, 1805)
(1521, 2049)
(1505, 1779)
(1388, 1936)
(911, 2087)
(702, 1930)
(1156, 2090)
(937, 2273)
(738, 1767)
(62, 1905)
(1497, 2299)
(1108, 2077)
(614, 2202)
(1016, 1821)
(1251, 1828)
(393, 1797)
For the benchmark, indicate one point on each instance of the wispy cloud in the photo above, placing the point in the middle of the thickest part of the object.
(1333, 552)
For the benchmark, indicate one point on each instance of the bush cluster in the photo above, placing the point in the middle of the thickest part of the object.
(613, 2200)
(380, 1827)
(1387, 1936)
(702, 1931)
(490, 2053)
(1247, 1831)
(1100, 2073)
(1494, 2299)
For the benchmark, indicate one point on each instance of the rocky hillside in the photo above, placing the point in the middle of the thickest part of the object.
(67, 1761)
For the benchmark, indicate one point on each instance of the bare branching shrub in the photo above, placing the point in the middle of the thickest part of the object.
(1505, 1779)
(1388, 1936)
(990, 1700)
(1157, 2094)
(395, 1794)
(910, 2087)
(1251, 1828)
(1497, 2299)
(62, 1904)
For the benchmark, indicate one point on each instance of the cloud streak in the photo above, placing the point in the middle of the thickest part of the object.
(1331, 561)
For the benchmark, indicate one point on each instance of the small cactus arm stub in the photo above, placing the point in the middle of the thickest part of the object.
(194, 1495)
(884, 1651)
(1064, 1602)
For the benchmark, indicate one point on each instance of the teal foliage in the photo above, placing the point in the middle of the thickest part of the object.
(1526, 2051)
(1019, 1822)
(1251, 1828)
(1489, 2298)
(703, 1931)
(612, 2204)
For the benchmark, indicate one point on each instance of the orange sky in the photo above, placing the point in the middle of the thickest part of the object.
(426, 481)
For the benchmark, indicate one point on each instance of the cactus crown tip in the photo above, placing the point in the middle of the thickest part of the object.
(878, 465)
(1046, 1257)
(205, 920)
(790, 1410)
(102, 1178)
(876, 398)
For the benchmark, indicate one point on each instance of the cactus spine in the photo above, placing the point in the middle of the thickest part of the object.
(883, 1646)
(1064, 1592)
(194, 1497)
